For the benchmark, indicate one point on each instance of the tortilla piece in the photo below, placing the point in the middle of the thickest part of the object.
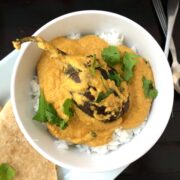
(16, 151)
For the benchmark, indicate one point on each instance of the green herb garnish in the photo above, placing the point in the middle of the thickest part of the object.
(115, 77)
(40, 114)
(7, 172)
(53, 118)
(149, 90)
(103, 82)
(129, 62)
(67, 107)
(102, 96)
(111, 55)
(47, 113)
(94, 65)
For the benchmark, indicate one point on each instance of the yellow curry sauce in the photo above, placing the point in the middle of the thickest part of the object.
(57, 87)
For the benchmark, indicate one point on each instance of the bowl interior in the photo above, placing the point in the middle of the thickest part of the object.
(90, 22)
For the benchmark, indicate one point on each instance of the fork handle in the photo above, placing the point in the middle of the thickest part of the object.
(169, 34)
(168, 37)
(173, 6)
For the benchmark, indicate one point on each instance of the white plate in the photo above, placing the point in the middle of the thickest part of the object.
(6, 67)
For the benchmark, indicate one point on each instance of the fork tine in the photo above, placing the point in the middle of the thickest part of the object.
(162, 14)
(159, 10)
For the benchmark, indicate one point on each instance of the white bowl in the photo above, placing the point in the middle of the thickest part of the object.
(90, 22)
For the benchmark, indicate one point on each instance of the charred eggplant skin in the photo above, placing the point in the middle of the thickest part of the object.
(88, 94)
(103, 72)
(90, 106)
(86, 108)
(73, 73)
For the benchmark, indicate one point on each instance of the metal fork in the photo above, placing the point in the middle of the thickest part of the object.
(162, 19)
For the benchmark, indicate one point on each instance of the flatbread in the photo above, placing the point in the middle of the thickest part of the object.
(16, 151)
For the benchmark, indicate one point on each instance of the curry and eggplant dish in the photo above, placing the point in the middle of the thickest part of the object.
(89, 88)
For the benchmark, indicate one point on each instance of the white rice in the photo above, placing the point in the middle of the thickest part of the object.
(113, 37)
(35, 93)
(120, 136)
(74, 36)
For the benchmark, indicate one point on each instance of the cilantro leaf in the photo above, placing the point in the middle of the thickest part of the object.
(54, 119)
(63, 125)
(102, 96)
(50, 108)
(129, 62)
(47, 113)
(115, 77)
(111, 55)
(67, 107)
(40, 114)
(149, 89)
(7, 172)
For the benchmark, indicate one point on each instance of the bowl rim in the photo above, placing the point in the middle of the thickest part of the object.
(19, 121)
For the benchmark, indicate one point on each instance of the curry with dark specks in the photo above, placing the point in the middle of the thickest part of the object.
(93, 122)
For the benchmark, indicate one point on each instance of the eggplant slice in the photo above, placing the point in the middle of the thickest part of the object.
(90, 106)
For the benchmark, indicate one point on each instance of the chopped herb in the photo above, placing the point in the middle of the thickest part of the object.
(63, 125)
(111, 55)
(55, 119)
(102, 96)
(7, 172)
(93, 134)
(129, 62)
(103, 82)
(149, 89)
(67, 107)
(50, 108)
(115, 77)
(40, 114)
(47, 113)
(94, 65)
